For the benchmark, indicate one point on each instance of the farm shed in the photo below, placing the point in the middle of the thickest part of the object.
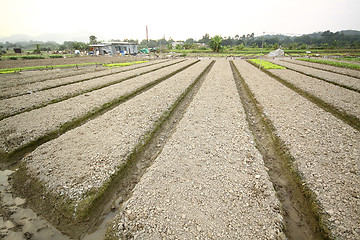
(17, 50)
(113, 48)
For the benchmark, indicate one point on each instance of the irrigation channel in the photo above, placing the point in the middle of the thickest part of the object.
(182, 149)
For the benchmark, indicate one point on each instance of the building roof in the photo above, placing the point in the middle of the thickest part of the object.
(103, 44)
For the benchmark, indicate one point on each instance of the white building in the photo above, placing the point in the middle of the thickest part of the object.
(114, 48)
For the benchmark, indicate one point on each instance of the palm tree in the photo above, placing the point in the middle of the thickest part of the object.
(215, 43)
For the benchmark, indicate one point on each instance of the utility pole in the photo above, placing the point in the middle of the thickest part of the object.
(147, 35)
(262, 45)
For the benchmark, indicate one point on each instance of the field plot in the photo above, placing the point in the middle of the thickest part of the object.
(345, 100)
(209, 181)
(28, 77)
(345, 71)
(170, 147)
(325, 149)
(337, 79)
(21, 129)
(17, 87)
(23, 103)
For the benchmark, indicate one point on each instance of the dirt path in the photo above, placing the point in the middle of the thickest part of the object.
(209, 182)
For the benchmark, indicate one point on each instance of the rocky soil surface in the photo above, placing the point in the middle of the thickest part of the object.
(341, 98)
(332, 77)
(41, 98)
(28, 77)
(209, 182)
(325, 149)
(69, 60)
(346, 71)
(39, 83)
(84, 158)
(23, 128)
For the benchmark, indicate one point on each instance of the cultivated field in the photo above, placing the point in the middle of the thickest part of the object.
(181, 149)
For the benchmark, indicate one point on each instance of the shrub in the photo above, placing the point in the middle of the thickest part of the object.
(13, 58)
(56, 56)
(32, 57)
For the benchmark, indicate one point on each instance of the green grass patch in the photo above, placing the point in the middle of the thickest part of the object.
(56, 56)
(352, 59)
(12, 70)
(266, 64)
(32, 57)
(331, 63)
(123, 64)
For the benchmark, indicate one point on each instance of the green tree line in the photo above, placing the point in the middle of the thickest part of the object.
(327, 39)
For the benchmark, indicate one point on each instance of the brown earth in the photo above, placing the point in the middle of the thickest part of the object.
(62, 61)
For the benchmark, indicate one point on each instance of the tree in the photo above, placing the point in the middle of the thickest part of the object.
(37, 50)
(205, 39)
(92, 39)
(215, 43)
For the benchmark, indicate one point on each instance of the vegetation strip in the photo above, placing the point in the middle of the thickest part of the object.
(16, 154)
(77, 81)
(60, 99)
(325, 80)
(298, 203)
(351, 59)
(122, 64)
(332, 63)
(12, 70)
(319, 68)
(342, 115)
(266, 64)
(76, 211)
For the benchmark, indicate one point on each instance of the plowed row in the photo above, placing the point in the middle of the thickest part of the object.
(208, 180)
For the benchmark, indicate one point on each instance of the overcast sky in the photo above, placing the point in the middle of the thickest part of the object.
(177, 19)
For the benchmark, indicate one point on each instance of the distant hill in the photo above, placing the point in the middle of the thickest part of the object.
(313, 35)
(80, 36)
(350, 32)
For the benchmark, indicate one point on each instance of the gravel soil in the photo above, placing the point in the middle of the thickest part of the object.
(84, 158)
(28, 77)
(346, 71)
(23, 128)
(209, 182)
(332, 77)
(41, 98)
(72, 60)
(325, 149)
(58, 81)
(341, 98)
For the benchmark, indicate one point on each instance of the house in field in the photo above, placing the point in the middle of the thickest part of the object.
(114, 48)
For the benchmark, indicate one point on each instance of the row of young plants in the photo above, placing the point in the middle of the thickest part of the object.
(266, 64)
(34, 56)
